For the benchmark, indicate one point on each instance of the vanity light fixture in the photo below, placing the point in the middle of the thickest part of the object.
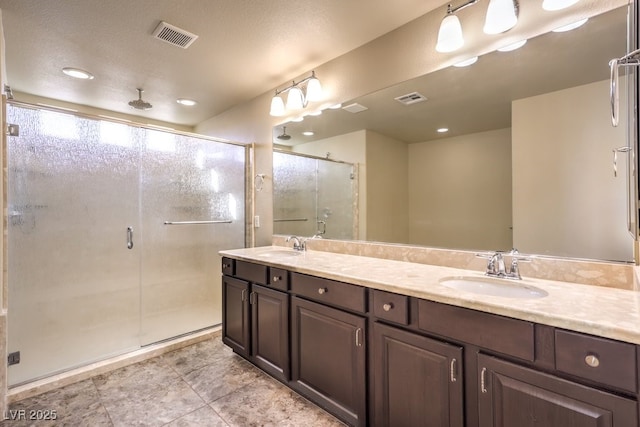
(513, 46)
(296, 98)
(77, 73)
(450, 33)
(466, 62)
(557, 4)
(502, 15)
(571, 26)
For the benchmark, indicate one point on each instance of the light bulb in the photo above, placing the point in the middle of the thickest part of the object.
(295, 99)
(277, 106)
(501, 16)
(314, 89)
(450, 34)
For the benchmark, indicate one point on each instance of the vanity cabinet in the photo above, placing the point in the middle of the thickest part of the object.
(417, 381)
(512, 395)
(328, 345)
(378, 358)
(256, 316)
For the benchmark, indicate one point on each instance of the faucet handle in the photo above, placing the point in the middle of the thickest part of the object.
(494, 263)
(514, 270)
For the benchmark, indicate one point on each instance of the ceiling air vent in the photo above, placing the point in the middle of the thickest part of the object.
(411, 98)
(174, 35)
(355, 108)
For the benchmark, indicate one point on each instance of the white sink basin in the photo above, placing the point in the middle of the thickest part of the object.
(494, 287)
(284, 253)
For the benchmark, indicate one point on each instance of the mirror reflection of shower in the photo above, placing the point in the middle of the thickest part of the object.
(314, 197)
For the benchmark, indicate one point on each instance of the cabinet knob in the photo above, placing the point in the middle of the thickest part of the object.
(276, 279)
(225, 266)
(592, 360)
(387, 307)
(322, 290)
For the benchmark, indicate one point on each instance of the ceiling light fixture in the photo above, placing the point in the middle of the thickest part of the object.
(557, 4)
(571, 26)
(443, 130)
(502, 15)
(450, 33)
(187, 102)
(296, 98)
(308, 133)
(77, 73)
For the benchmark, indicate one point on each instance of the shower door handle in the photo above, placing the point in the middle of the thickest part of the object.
(129, 237)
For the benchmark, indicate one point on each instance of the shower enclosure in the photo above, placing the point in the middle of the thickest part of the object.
(113, 234)
(314, 196)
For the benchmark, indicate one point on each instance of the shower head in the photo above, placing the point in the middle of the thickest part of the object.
(284, 135)
(139, 104)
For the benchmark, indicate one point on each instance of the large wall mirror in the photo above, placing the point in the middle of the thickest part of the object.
(527, 160)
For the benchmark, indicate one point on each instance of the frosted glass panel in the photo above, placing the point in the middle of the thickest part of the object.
(336, 200)
(185, 179)
(294, 194)
(313, 195)
(73, 284)
(77, 292)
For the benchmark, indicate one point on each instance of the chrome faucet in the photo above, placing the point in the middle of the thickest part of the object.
(298, 244)
(497, 268)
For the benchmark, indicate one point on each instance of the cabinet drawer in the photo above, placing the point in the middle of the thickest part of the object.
(391, 307)
(502, 334)
(228, 266)
(330, 292)
(598, 359)
(278, 279)
(256, 273)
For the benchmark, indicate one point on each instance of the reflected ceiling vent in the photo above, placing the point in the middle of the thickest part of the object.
(411, 98)
(355, 108)
(174, 35)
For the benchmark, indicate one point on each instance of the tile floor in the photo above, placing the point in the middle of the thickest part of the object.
(201, 385)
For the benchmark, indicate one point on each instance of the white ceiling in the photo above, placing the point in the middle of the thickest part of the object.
(245, 48)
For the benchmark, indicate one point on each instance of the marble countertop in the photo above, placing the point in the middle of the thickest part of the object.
(606, 312)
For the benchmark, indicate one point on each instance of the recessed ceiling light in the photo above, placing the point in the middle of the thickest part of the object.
(187, 102)
(77, 73)
(570, 27)
(443, 130)
(513, 46)
(466, 62)
(308, 133)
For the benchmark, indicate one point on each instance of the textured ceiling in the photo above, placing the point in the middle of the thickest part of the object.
(245, 48)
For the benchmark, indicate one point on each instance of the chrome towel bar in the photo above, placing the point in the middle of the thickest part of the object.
(227, 221)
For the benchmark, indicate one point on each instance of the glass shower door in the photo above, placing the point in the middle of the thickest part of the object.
(192, 206)
(73, 283)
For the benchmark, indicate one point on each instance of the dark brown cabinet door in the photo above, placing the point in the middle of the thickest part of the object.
(235, 315)
(511, 395)
(328, 359)
(417, 381)
(270, 331)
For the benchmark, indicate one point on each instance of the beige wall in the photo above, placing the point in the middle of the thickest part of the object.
(387, 195)
(562, 158)
(460, 191)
